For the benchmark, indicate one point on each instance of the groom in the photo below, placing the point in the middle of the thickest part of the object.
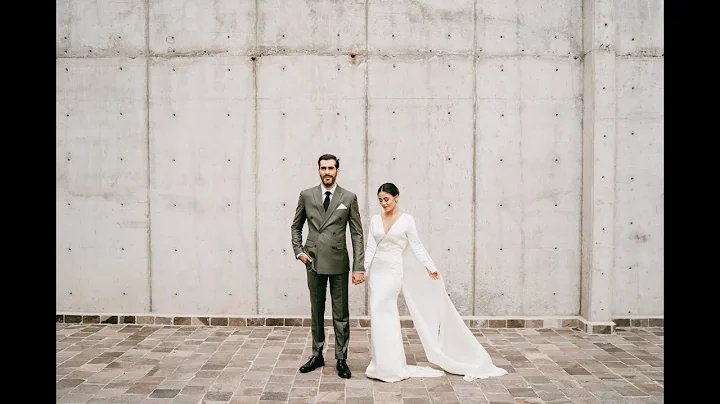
(328, 209)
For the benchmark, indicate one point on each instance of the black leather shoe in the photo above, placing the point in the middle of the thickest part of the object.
(314, 363)
(343, 369)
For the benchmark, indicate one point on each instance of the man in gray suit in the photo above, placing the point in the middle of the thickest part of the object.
(328, 209)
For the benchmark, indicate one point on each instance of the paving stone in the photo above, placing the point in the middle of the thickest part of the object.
(195, 361)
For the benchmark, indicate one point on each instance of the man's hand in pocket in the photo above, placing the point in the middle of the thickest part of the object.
(304, 258)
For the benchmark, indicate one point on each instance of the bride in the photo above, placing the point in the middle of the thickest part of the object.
(446, 339)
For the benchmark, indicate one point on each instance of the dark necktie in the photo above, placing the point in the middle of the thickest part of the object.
(326, 202)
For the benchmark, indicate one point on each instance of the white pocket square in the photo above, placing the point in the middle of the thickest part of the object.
(342, 207)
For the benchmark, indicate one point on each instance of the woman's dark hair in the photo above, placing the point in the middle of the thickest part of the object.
(390, 188)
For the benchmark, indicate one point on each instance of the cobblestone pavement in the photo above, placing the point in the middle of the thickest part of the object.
(205, 364)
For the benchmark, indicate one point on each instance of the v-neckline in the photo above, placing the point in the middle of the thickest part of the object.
(392, 225)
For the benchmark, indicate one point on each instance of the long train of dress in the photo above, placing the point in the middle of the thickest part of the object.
(445, 337)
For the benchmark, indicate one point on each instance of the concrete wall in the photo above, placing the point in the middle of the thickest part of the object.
(185, 131)
(623, 191)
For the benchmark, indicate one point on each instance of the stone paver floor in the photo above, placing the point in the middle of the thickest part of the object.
(204, 364)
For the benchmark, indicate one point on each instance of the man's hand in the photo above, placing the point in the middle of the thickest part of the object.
(304, 258)
(358, 278)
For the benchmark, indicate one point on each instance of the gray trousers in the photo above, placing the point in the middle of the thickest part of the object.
(317, 283)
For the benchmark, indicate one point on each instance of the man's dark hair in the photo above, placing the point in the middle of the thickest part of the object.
(329, 157)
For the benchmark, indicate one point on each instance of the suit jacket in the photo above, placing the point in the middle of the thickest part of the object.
(326, 241)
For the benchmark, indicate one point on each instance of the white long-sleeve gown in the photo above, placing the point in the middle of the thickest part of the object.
(446, 339)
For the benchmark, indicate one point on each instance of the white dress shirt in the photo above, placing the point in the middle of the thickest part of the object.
(323, 190)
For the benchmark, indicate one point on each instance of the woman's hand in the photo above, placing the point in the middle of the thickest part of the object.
(433, 275)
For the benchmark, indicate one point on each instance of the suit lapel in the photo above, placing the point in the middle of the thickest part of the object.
(334, 202)
(318, 203)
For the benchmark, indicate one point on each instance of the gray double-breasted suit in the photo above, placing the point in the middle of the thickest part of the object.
(326, 245)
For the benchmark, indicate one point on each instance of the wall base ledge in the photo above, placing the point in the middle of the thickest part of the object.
(486, 322)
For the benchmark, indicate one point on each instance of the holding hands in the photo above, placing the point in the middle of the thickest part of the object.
(358, 278)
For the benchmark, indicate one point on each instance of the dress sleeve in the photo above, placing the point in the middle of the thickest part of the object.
(417, 247)
(370, 246)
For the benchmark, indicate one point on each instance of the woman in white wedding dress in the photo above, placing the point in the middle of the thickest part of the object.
(446, 339)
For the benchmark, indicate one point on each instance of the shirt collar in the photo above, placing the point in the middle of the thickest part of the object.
(332, 190)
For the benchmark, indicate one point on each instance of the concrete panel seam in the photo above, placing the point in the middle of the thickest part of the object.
(522, 181)
(415, 55)
(367, 134)
(149, 155)
(582, 173)
(582, 164)
(640, 55)
(473, 212)
(255, 162)
(614, 199)
(257, 197)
